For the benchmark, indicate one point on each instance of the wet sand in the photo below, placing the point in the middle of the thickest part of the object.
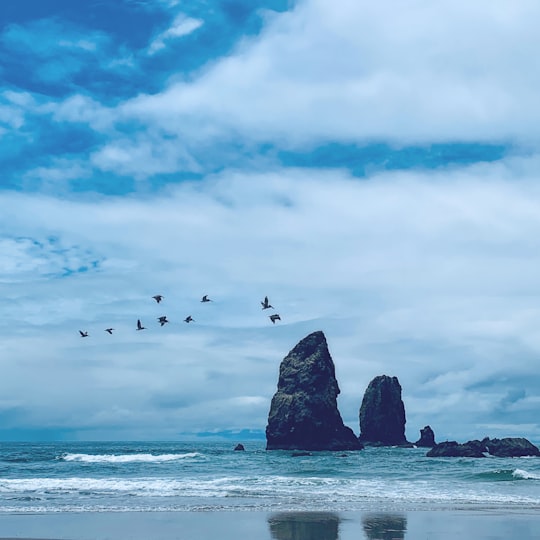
(409, 525)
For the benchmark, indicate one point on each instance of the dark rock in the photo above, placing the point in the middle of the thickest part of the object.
(508, 447)
(511, 447)
(301, 453)
(454, 449)
(427, 438)
(382, 414)
(303, 413)
(239, 447)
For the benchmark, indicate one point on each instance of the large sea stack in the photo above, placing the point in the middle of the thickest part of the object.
(304, 414)
(382, 414)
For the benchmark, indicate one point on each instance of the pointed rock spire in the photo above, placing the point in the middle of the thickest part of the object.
(304, 414)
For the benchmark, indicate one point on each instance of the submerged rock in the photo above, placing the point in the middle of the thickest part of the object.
(507, 447)
(382, 413)
(427, 438)
(303, 413)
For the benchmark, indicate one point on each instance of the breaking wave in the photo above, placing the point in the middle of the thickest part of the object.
(128, 458)
(507, 475)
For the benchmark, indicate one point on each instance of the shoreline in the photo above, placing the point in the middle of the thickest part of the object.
(474, 524)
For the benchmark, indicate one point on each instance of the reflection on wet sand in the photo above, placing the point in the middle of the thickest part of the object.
(304, 526)
(384, 526)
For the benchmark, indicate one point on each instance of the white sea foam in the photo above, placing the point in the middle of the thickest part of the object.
(127, 458)
(525, 475)
(256, 491)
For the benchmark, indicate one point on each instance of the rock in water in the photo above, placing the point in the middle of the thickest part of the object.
(382, 414)
(511, 447)
(304, 414)
(475, 449)
(508, 447)
(427, 438)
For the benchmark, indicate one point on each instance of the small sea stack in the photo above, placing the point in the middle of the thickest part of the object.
(382, 413)
(303, 413)
(427, 438)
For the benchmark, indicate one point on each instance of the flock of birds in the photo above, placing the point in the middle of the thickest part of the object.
(162, 320)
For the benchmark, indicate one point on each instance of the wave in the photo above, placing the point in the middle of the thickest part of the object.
(128, 458)
(525, 475)
(270, 490)
(507, 475)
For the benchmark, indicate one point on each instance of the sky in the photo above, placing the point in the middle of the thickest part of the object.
(371, 167)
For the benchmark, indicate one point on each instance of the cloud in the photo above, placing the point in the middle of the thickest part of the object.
(427, 274)
(410, 274)
(144, 156)
(61, 171)
(314, 77)
(81, 109)
(181, 26)
(346, 72)
(13, 108)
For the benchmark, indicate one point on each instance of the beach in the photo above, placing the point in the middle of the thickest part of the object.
(410, 525)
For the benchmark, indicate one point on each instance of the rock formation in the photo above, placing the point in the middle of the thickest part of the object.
(454, 449)
(382, 414)
(511, 447)
(507, 447)
(303, 413)
(427, 438)
(239, 447)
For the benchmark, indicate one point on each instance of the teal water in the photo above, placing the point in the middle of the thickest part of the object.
(125, 477)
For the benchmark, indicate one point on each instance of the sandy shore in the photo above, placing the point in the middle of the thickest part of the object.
(416, 525)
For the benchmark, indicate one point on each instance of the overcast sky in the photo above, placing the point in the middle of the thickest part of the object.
(372, 167)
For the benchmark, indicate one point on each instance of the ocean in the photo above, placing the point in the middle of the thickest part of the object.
(209, 476)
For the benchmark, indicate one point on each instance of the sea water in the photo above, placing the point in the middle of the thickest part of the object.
(198, 476)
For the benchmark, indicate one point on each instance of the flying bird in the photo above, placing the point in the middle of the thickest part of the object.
(139, 325)
(109, 330)
(83, 334)
(274, 318)
(266, 304)
(158, 298)
(205, 298)
(189, 319)
(162, 320)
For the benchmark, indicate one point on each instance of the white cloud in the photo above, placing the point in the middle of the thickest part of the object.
(431, 276)
(340, 72)
(16, 105)
(181, 26)
(405, 72)
(81, 109)
(428, 276)
(83, 44)
(143, 156)
(60, 170)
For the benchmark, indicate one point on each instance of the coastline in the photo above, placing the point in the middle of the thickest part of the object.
(440, 524)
